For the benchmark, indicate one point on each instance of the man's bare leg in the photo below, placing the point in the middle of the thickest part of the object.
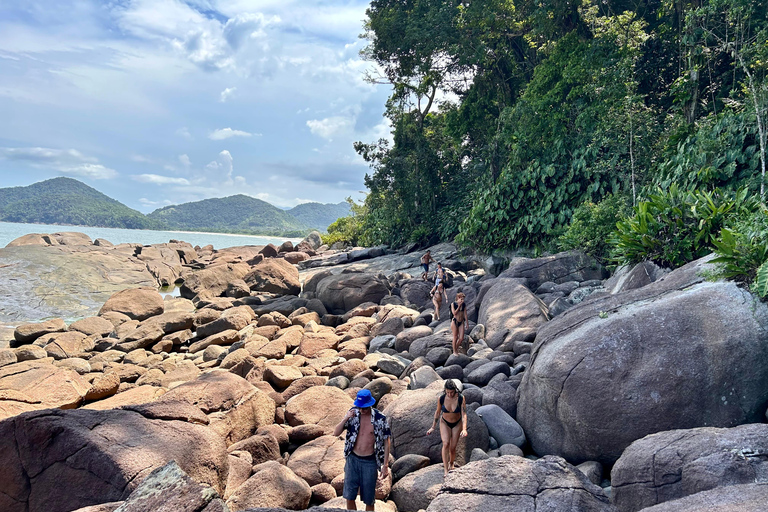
(351, 505)
(370, 508)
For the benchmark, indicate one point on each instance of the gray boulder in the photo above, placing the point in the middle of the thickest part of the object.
(631, 278)
(502, 394)
(617, 368)
(519, 484)
(393, 365)
(510, 305)
(559, 268)
(411, 416)
(408, 464)
(484, 374)
(501, 425)
(340, 293)
(423, 377)
(414, 491)
(670, 465)
(379, 342)
(734, 498)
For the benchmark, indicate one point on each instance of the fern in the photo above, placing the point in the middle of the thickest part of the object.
(760, 285)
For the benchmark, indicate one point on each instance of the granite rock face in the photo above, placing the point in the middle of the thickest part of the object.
(516, 483)
(99, 456)
(678, 353)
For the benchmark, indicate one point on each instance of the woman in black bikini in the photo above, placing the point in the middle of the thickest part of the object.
(453, 424)
(459, 314)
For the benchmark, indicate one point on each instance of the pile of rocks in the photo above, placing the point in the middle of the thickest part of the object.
(227, 381)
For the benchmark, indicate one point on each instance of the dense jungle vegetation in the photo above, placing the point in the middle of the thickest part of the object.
(634, 130)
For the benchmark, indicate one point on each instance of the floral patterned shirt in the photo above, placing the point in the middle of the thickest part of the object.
(381, 432)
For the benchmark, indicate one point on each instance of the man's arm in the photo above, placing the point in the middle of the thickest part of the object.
(343, 423)
(385, 467)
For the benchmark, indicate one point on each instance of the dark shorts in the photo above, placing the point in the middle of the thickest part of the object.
(360, 473)
(425, 266)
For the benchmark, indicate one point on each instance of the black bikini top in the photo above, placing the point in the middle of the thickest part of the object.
(460, 308)
(458, 405)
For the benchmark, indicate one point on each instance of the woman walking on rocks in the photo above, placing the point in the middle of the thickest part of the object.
(437, 299)
(453, 423)
(458, 321)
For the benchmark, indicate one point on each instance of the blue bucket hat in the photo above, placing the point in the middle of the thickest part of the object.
(364, 399)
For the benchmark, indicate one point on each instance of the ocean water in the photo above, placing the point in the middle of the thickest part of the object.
(10, 231)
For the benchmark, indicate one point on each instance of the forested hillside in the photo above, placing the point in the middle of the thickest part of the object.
(319, 216)
(68, 201)
(541, 125)
(234, 214)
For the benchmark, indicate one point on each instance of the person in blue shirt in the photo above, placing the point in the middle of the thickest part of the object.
(366, 449)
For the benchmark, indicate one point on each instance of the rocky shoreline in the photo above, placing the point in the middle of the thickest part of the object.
(645, 390)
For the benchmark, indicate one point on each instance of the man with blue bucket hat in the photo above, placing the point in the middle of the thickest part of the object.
(366, 449)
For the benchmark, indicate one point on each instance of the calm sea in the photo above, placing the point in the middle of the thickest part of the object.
(10, 231)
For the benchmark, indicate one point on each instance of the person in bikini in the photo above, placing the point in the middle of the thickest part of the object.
(437, 299)
(439, 276)
(453, 424)
(425, 264)
(458, 322)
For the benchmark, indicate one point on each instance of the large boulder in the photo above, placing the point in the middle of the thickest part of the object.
(410, 417)
(33, 385)
(559, 268)
(212, 281)
(27, 333)
(342, 292)
(501, 425)
(415, 491)
(274, 276)
(59, 461)
(678, 353)
(519, 484)
(138, 303)
(303, 408)
(670, 465)
(169, 489)
(320, 460)
(271, 485)
(510, 305)
(218, 390)
(734, 498)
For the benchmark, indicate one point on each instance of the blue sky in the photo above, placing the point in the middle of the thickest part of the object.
(155, 102)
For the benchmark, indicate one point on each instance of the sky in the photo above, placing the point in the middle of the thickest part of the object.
(158, 102)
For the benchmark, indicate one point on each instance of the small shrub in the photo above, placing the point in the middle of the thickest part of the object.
(742, 250)
(592, 225)
(674, 226)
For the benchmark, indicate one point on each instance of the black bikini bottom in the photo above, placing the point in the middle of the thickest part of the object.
(451, 424)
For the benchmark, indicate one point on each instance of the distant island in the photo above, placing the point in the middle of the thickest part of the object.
(71, 202)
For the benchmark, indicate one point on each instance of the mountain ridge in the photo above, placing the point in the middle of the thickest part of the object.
(68, 201)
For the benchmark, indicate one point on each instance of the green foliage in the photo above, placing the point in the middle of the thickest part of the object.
(319, 216)
(760, 285)
(350, 229)
(742, 247)
(560, 104)
(68, 201)
(676, 226)
(592, 225)
(721, 151)
(234, 214)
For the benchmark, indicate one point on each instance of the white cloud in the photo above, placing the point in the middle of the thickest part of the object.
(159, 180)
(246, 26)
(331, 126)
(225, 133)
(146, 202)
(185, 161)
(227, 93)
(65, 161)
(184, 132)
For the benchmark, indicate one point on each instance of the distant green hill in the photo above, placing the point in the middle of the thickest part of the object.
(68, 201)
(319, 216)
(234, 214)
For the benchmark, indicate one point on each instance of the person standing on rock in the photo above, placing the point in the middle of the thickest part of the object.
(458, 321)
(453, 424)
(425, 264)
(366, 449)
(437, 299)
